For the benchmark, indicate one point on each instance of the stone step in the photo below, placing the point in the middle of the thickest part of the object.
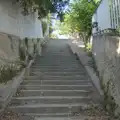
(55, 62)
(50, 116)
(53, 75)
(56, 82)
(51, 56)
(49, 100)
(48, 108)
(65, 76)
(77, 79)
(67, 116)
(57, 87)
(48, 77)
(54, 93)
(59, 59)
(57, 70)
(57, 67)
(59, 73)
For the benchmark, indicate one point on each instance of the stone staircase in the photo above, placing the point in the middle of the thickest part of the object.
(57, 86)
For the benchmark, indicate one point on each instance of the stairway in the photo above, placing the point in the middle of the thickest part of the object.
(56, 87)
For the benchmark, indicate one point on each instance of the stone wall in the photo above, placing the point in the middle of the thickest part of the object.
(10, 47)
(14, 27)
(106, 51)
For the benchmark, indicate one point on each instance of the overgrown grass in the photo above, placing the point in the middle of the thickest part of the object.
(88, 49)
(22, 54)
(44, 26)
(8, 71)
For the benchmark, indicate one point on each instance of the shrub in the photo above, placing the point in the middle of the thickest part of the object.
(8, 71)
(26, 42)
(22, 54)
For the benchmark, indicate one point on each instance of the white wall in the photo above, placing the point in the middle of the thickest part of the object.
(13, 22)
(102, 16)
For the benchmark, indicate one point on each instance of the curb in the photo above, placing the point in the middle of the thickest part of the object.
(84, 61)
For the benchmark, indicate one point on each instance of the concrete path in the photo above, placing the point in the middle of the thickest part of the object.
(57, 86)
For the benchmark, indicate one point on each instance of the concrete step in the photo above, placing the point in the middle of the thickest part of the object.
(48, 77)
(50, 116)
(57, 70)
(56, 82)
(49, 100)
(58, 73)
(54, 93)
(57, 67)
(57, 87)
(59, 59)
(52, 74)
(49, 70)
(58, 79)
(48, 108)
(68, 117)
(52, 61)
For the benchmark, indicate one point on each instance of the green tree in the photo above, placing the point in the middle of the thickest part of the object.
(78, 19)
(44, 7)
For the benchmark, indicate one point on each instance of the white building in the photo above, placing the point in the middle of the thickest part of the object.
(13, 22)
(107, 15)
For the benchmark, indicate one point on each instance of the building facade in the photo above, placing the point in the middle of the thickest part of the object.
(107, 15)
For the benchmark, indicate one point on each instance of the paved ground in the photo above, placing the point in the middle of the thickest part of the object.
(57, 87)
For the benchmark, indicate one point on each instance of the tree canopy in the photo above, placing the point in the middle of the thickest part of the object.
(78, 19)
(44, 7)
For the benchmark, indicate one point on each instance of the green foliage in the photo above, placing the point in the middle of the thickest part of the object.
(35, 48)
(53, 36)
(8, 71)
(44, 7)
(26, 42)
(118, 30)
(44, 26)
(22, 54)
(79, 19)
(88, 47)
